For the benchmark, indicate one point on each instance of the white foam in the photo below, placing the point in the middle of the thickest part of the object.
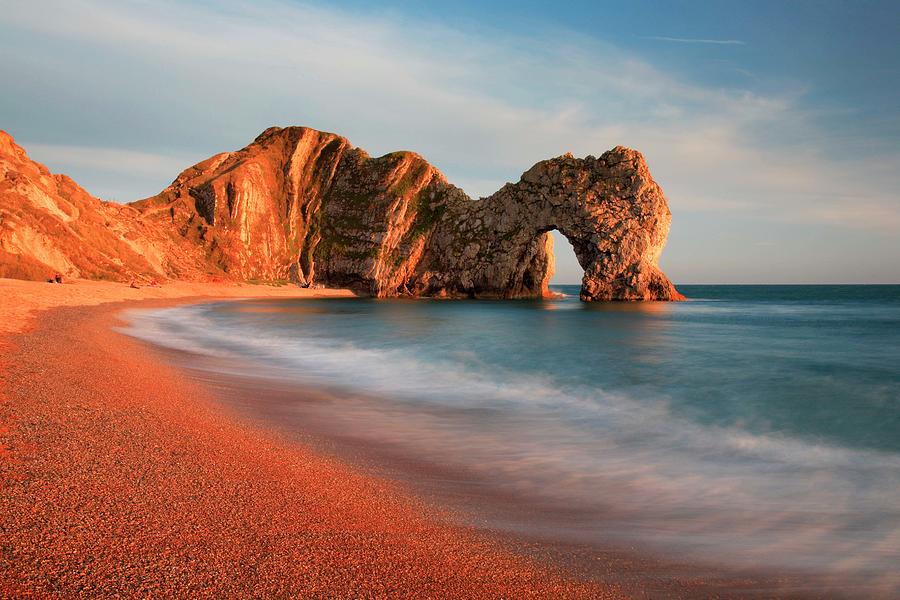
(717, 492)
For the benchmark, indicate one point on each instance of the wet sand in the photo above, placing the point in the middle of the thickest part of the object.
(21, 301)
(330, 422)
(121, 476)
(124, 474)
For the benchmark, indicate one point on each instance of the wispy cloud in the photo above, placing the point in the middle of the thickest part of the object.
(118, 160)
(660, 38)
(482, 105)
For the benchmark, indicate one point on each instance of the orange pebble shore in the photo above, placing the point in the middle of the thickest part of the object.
(122, 478)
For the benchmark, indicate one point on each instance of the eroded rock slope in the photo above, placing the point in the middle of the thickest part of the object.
(307, 206)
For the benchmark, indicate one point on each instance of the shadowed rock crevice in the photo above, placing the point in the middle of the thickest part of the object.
(306, 206)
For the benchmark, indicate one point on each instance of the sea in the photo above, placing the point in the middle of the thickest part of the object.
(750, 427)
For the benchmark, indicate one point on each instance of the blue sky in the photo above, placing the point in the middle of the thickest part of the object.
(774, 128)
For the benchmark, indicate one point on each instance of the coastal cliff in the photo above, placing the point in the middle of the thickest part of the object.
(49, 224)
(304, 205)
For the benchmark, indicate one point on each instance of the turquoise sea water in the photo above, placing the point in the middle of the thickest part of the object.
(753, 426)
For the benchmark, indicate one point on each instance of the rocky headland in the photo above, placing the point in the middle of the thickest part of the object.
(306, 206)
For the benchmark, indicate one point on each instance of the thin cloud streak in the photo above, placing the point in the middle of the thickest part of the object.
(660, 38)
(115, 160)
(449, 93)
(481, 106)
(456, 97)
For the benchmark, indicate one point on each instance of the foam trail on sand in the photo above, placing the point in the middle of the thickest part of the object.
(623, 463)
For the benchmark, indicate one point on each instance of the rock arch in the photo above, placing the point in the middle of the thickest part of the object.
(306, 205)
(609, 208)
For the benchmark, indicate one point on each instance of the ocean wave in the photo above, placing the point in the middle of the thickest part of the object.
(653, 475)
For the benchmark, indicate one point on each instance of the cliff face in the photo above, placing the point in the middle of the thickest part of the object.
(299, 204)
(49, 225)
(609, 208)
(305, 205)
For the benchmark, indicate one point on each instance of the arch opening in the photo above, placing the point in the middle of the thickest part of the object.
(568, 270)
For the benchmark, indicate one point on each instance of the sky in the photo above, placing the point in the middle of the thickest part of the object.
(772, 127)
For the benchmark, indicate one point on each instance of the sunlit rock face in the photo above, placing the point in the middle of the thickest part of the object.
(247, 214)
(49, 225)
(609, 208)
(307, 206)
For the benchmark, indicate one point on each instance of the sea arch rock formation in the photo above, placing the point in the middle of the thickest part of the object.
(305, 205)
(609, 208)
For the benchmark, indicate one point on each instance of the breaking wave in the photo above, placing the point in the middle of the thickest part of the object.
(621, 462)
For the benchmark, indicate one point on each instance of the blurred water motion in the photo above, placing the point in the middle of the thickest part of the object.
(751, 426)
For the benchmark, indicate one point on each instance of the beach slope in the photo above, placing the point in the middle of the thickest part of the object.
(120, 477)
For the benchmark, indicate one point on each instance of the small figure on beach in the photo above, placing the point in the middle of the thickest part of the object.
(134, 284)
